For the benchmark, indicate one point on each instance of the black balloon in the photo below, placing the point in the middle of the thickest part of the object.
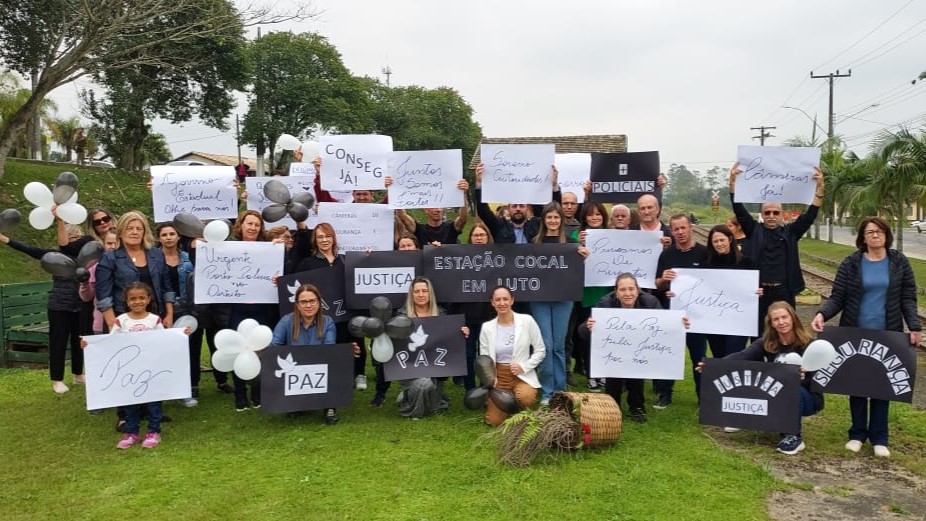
(298, 211)
(505, 400)
(485, 369)
(305, 198)
(59, 264)
(189, 225)
(373, 327)
(65, 186)
(89, 253)
(400, 327)
(355, 327)
(9, 219)
(82, 274)
(276, 192)
(274, 212)
(381, 308)
(475, 398)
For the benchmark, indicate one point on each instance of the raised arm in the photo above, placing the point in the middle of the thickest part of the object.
(463, 214)
(742, 215)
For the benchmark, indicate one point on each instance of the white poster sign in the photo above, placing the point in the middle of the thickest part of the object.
(207, 191)
(574, 171)
(378, 281)
(359, 226)
(723, 302)
(301, 169)
(426, 179)
(296, 184)
(354, 162)
(132, 368)
(612, 252)
(237, 272)
(638, 343)
(517, 173)
(776, 174)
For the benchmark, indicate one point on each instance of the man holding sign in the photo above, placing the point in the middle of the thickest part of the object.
(519, 228)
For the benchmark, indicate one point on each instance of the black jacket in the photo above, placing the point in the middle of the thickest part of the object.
(502, 229)
(757, 235)
(757, 353)
(63, 295)
(644, 301)
(900, 302)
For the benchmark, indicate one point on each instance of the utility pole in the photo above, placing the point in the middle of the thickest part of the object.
(830, 133)
(387, 72)
(238, 136)
(260, 135)
(762, 134)
(36, 123)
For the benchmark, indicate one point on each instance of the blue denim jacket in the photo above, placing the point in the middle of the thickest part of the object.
(116, 271)
(183, 271)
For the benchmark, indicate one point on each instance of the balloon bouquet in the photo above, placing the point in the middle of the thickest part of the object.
(297, 206)
(237, 350)
(381, 327)
(476, 397)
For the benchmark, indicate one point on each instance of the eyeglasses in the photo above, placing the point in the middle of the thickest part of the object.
(771, 212)
(102, 220)
(872, 233)
(313, 302)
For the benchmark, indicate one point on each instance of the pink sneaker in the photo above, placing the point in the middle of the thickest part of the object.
(127, 441)
(152, 440)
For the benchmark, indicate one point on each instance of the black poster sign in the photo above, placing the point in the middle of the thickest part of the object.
(304, 378)
(387, 273)
(624, 177)
(329, 281)
(436, 347)
(758, 396)
(870, 363)
(533, 272)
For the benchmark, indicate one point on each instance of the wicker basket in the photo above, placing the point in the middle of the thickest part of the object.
(599, 411)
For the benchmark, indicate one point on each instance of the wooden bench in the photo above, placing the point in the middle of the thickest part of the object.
(24, 322)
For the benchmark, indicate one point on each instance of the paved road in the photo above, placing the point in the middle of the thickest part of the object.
(914, 244)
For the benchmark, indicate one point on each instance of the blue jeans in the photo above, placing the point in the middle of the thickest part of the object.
(808, 406)
(697, 348)
(472, 349)
(869, 424)
(133, 417)
(553, 319)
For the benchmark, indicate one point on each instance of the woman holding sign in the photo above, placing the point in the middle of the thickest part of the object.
(476, 313)
(722, 253)
(874, 289)
(594, 216)
(513, 341)
(553, 317)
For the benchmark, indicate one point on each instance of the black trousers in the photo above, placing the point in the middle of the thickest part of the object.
(196, 347)
(63, 331)
(615, 387)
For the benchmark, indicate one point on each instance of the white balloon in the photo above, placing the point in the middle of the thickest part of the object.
(230, 341)
(818, 355)
(38, 194)
(288, 142)
(382, 349)
(247, 365)
(41, 218)
(215, 231)
(72, 213)
(789, 358)
(186, 321)
(72, 199)
(310, 150)
(259, 338)
(246, 326)
(223, 361)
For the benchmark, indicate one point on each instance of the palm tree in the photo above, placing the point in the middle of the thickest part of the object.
(13, 96)
(64, 132)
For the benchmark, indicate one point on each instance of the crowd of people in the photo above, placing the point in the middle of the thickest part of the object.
(144, 281)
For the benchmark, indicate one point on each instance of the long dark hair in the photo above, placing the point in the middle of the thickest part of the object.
(542, 233)
(587, 209)
(712, 255)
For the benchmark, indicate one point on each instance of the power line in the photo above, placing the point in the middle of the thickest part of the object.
(863, 38)
(861, 60)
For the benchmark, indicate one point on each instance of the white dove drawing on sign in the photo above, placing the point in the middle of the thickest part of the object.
(417, 339)
(292, 290)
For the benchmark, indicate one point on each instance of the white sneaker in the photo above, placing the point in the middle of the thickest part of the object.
(189, 402)
(731, 430)
(882, 452)
(59, 387)
(854, 445)
(360, 382)
(545, 402)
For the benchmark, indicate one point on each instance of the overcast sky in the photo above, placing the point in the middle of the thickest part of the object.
(685, 78)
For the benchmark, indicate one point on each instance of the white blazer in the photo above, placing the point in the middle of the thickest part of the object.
(526, 334)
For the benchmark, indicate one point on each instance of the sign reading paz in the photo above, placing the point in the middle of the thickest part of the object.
(517, 173)
(435, 348)
(776, 174)
(533, 272)
(386, 273)
(303, 378)
(722, 302)
(352, 162)
(638, 343)
(207, 191)
(329, 281)
(623, 177)
(612, 252)
(133, 368)
(870, 363)
(758, 396)
(237, 272)
(426, 179)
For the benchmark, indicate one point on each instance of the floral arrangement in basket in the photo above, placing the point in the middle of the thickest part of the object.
(531, 433)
